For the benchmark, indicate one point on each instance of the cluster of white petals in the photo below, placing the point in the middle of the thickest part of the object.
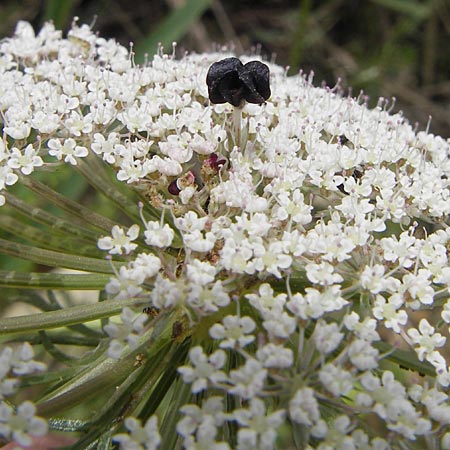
(323, 221)
(20, 423)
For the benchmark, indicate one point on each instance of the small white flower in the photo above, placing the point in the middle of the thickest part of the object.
(7, 177)
(200, 272)
(67, 150)
(106, 147)
(207, 299)
(8, 387)
(265, 300)
(304, 408)
(322, 273)
(315, 303)
(139, 437)
(233, 331)
(158, 235)
(365, 329)
(279, 324)
(260, 427)
(198, 241)
(372, 278)
(127, 332)
(248, 380)
(19, 361)
(206, 368)
(119, 242)
(126, 284)
(362, 355)
(390, 311)
(419, 286)
(273, 355)
(26, 161)
(426, 339)
(190, 222)
(144, 266)
(77, 124)
(336, 380)
(210, 415)
(445, 441)
(22, 424)
(327, 337)
(167, 293)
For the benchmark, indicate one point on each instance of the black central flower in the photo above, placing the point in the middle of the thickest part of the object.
(231, 81)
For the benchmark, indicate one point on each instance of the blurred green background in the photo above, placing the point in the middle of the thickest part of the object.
(386, 48)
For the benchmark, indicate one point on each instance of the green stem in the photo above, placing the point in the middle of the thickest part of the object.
(56, 224)
(35, 280)
(46, 239)
(54, 259)
(65, 203)
(67, 316)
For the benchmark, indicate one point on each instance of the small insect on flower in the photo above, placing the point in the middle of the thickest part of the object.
(151, 311)
(177, 329)
(231, 81)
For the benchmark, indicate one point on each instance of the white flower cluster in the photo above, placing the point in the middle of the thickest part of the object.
(139, 437)
(19, 423)
(326, 222)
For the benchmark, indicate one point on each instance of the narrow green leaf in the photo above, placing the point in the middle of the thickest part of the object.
(54, 259)
(163, 376)
(181, 394)
(67, 316)
(173, 27)
(59, 11)
(45, 378)
(36, 280)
